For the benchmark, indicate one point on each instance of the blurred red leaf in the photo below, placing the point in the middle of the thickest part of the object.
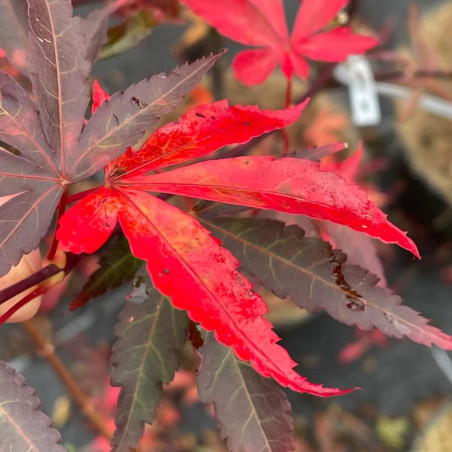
(262, 23)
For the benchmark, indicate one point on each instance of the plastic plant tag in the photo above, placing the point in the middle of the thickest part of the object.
(357, 74)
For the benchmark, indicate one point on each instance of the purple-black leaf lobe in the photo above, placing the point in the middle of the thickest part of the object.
(127, 115)
(32, 168)
(25, 218)
(252, 411)
(19, 123)
(146, 355)
(317, 278)
(23, 426)
(14, 33)
(117, 266)
(95, 27)
(59, 74)
(94, 30)
(27, 176)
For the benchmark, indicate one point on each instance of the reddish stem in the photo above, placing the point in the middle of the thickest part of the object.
(61, 209)
(190, 204)
(47, 350)
(288, 93)
(285, 138)
(38, 291)
(287, 104)
(36, 278)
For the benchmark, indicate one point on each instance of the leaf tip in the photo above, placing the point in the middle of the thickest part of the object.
(302, 105)
(331, 392)
(411, 246)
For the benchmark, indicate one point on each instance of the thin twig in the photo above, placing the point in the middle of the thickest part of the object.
(32, 280)
(40, 276)
(287, 103)
(324, 77)
(21, 303)
(288, 99)
(420, 73)
(60, 213)
(216, 43)
(352, 8)
(47, 350)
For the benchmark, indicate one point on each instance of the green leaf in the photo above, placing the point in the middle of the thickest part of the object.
(145, 356)
(22, 426)
(128, 34)
(317, 278)
(117, 266)
(253, 412)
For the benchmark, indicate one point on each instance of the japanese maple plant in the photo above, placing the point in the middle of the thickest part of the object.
(192, 254)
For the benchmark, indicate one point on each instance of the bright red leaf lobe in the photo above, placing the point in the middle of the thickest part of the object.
(262, 23)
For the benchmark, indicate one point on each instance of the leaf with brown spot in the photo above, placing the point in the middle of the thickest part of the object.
(122, 120)
(287, 185)
(317, 278)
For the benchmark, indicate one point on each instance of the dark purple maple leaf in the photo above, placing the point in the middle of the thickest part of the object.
(44, 147)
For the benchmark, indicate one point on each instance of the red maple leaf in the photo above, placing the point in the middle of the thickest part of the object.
(185, 262)
(262, 23)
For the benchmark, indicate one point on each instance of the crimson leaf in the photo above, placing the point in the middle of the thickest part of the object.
(23, 426)
(121, 121)
(201, 131)
(287, 185)
(262, 23)
(253, 412)
(212, 291)
(146, 355)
